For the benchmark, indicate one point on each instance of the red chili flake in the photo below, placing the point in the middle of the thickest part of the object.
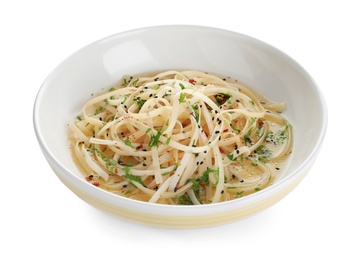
(260, 122)
(192, 81)
(88, 178)
(95, 183)
(203, 185)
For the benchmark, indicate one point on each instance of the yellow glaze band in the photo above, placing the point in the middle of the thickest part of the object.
(173, 221)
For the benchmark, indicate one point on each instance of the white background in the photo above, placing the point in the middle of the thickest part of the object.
(41, 219)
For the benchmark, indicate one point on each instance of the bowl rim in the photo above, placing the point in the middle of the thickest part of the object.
(243, 200)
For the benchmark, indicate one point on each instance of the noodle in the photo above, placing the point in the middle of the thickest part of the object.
(181, 138)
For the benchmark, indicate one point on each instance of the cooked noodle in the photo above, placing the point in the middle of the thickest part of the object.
(181, 138)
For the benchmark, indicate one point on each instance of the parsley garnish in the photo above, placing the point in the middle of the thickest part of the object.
(263, 153)
(184, 199)
(155, 139)
(182, 98)
(140, 102)
(231, 157)
(128, 143)
(131, 177)
(278, 137)
(222, 98)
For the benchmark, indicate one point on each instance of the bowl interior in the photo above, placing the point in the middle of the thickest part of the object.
(220, 52)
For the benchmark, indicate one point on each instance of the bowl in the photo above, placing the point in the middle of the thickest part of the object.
(221, 52)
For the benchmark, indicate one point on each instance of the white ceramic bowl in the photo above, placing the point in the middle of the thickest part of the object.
(217, 51)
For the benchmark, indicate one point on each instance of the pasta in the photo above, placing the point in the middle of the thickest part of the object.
(181, 138)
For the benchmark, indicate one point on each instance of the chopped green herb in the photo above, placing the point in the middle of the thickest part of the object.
(148, 130)
(128, 143)
(222, 98)
(140, 102)
(203, 181)
(110, 163)
(184, 199)
(195, 109)
(231, 157)
(278, 137)
(182, 86)
(235, 129)
(263, 153)
(182, 98)
(99, 110)
(239, 194)
(79, 118)
(131, 177)
(155, 139)
(135, 82)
